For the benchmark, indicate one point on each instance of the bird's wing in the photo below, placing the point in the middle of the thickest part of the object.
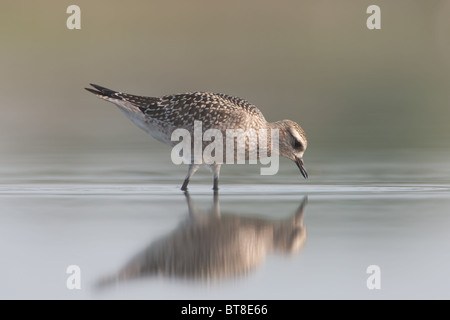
(241, 103)
(181, 110)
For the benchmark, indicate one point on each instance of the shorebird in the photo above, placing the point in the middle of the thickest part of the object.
(160, 116)
(211, 245)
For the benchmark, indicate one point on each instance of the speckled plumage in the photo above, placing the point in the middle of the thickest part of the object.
(160, 116)
(216, 110)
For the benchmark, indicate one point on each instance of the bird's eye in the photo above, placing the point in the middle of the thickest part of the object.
(297, 144)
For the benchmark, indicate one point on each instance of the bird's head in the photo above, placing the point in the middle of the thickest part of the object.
(293, 143)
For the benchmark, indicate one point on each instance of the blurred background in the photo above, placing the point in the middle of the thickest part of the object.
(314, 62)
(80, 184)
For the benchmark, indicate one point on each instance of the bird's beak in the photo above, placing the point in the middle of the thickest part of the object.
(301, 166)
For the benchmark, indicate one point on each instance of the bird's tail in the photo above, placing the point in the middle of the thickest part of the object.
(119, 98)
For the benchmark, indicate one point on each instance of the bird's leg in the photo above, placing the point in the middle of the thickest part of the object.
(216, 205)
(192, 169)
(191, 206)
(194, 211)
(216, 172)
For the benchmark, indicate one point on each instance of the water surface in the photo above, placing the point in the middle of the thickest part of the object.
(122, 219)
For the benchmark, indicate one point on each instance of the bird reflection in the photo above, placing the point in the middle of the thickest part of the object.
(210, 246)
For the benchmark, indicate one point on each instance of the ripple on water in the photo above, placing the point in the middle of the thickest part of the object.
(244, 190)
